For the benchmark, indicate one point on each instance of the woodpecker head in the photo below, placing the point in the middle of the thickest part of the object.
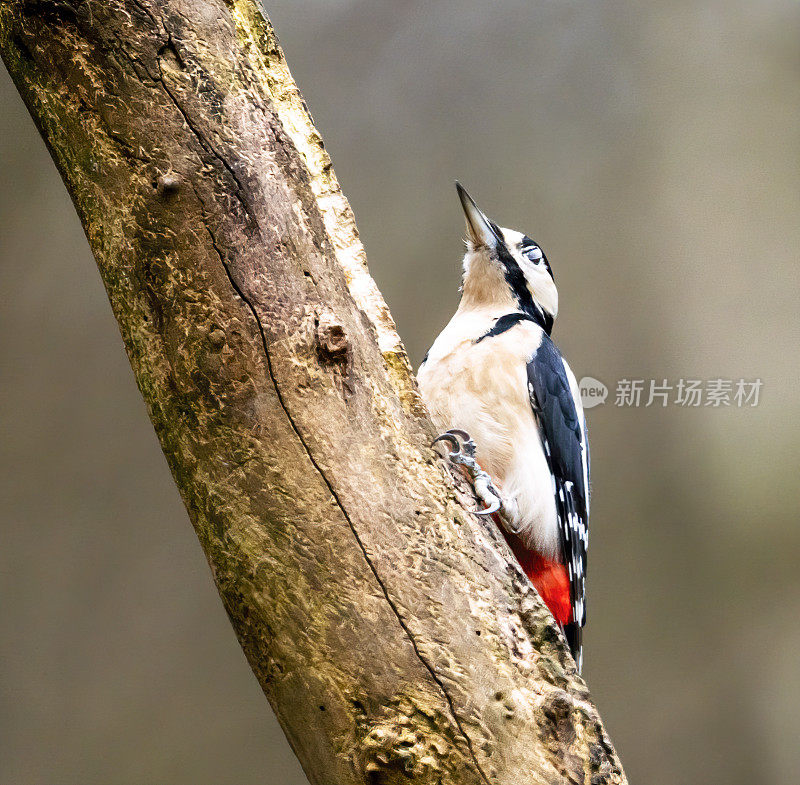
(505, 268)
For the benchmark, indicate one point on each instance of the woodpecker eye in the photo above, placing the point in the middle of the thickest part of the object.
(533, 253)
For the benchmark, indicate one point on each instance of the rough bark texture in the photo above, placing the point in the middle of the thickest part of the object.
(389, 628)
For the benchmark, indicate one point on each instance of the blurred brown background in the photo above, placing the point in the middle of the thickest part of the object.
(652, 149)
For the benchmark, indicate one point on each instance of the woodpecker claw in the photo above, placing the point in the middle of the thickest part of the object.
(454, 443)
(460, 442)
(463, 453)
(491, 509)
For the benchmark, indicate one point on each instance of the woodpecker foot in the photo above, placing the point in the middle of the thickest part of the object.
(463, 454)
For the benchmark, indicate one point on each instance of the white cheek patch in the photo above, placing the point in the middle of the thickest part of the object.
(543, 289)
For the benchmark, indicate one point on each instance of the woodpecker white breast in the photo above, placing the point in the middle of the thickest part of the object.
(495, 373)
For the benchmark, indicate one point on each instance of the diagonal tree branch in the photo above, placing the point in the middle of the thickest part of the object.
(389, 628)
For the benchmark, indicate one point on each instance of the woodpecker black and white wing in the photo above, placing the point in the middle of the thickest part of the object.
(556, 401)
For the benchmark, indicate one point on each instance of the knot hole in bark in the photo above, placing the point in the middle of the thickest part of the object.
(332, 343)
(167, 185)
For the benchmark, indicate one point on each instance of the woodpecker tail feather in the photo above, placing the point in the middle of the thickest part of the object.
(574, 635)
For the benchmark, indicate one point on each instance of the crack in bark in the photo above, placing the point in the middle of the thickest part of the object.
(205, 143)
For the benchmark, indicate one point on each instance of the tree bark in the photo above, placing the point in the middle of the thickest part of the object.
(391, 630)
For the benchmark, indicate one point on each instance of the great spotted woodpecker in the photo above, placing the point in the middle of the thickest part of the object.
(511, 410)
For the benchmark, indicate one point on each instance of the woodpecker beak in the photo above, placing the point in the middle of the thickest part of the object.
(479, 228)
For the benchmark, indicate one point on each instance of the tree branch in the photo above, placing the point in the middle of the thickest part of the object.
(390, 629)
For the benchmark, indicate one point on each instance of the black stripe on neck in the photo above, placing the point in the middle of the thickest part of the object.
(507, 321)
